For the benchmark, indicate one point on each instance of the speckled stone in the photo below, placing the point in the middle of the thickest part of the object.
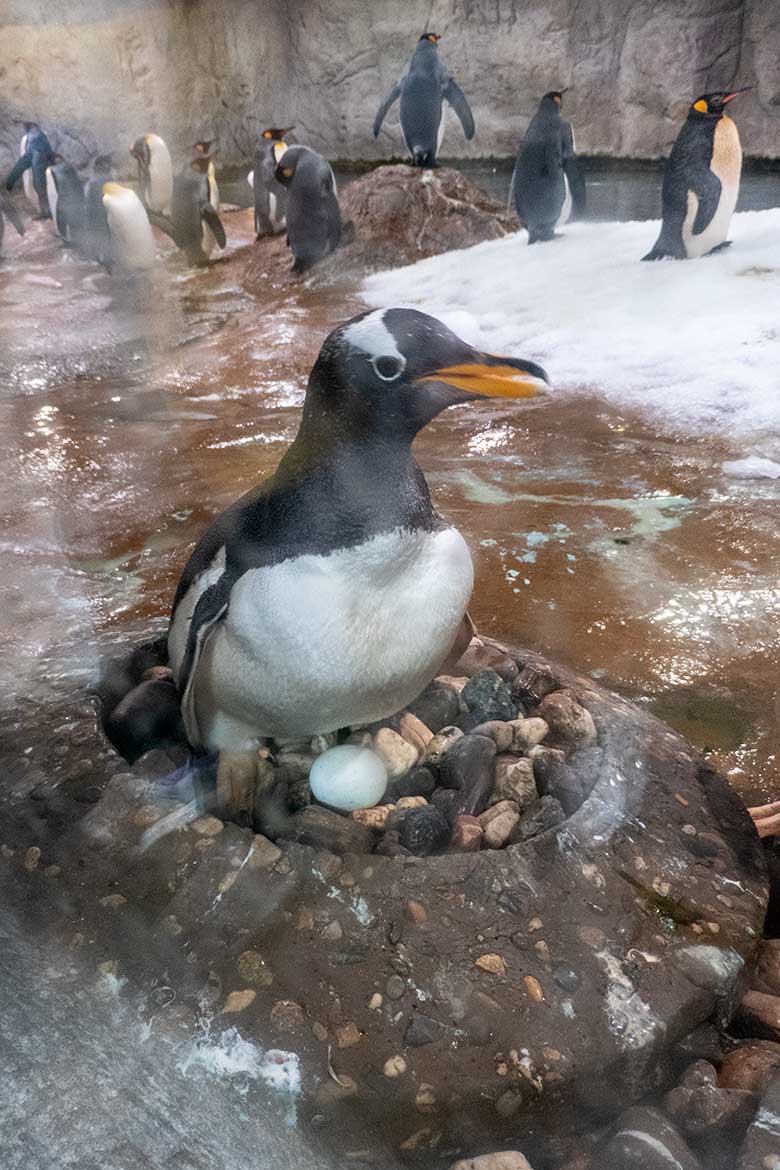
(488, 697)
(571, 725)
(423, 831)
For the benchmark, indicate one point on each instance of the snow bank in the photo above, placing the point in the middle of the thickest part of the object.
(694, 343)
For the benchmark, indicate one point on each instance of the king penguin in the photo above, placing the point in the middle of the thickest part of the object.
(701, 181)
(35, 155)
(193, 223)
(96, 242)
(155, 172)
(313, 215)
(8, 211)
(202, 150)
(423, 88)
(66, 199)
(129, 230)
(270, 195)
(546, 182)
(329, 595)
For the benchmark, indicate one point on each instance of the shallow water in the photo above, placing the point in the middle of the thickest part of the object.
(130, 416)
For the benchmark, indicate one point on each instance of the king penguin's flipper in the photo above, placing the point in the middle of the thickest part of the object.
(22, 164)
(215, 223)
(707, 188)
(163, 222)
(457, 99)
(393, 96)
(210, 610)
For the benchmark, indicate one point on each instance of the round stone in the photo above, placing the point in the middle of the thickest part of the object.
(348, 777)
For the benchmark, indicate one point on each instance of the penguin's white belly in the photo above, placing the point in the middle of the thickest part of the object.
(442, 127)
(278, 221)
(727, 165)
(207, 243)
(51, 191)
(28, 185)
(132, 242)
(316, 643)
(567, 204)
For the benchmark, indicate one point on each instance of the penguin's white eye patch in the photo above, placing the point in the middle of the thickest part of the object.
(388, 366)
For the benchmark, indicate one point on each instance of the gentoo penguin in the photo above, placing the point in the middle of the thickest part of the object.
(8, 210)
(155, 172)
(96, 242)
(193, 224)
(423, 88)
(129, 230)
(546, 181)
(35, 154)
(313, 213)
(329, 595)
(701, 181)
(66, 199)
(270, 195)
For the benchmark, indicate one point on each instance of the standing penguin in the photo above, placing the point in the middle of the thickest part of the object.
(270, 195)
(203, 152)
(129, 230)
(701, 181)
(7, 210)
(313, 213)
(35, 156)
(193, 223)
(340, 552)
(155, 172)
(95, 240)
(546, 181)
(66, 199)
(423, 88)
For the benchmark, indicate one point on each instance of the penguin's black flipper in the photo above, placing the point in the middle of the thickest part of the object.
(457, 99)
(707, 188)
(393, 96)
(211, 217)
(158, 220)
(23, 163)
(210, 610)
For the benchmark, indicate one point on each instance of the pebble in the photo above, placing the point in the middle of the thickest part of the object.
(350, 777)
(439, 704)
(286, 1015)
(395, 987)
(469, 768)
(501, 733)
(498, 822)
(645, 1140)
(113, 901)
(492, 963)
(509, 1103)
(481, 656)
(441, 743)
(503, 1160)
(466, 835)
(534, 988)
(394, 1066)
(207, 826)
(412, 802)
(566, 978)
(422, 1030)
(527, 734)
(514, 780)
(766, 973)
(704, 1109)
(324, 829)
(333, 932)
(373, 818)
(760, 1014)
(532, 684)
(423, 831)
(555, 778)
(488, 697)
(237, 1001)
(397, 754)
(390, 845)
(347, 1035)
(570, 723)
(416, 912)
(319, 1031)
(415, 732)
(419, 782)
(375, 1003)
(252, 969)
(425, 1099)
(31, 858)
(751, 1066)
(539, 816)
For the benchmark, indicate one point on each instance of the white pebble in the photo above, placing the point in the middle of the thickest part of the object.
(348, 777)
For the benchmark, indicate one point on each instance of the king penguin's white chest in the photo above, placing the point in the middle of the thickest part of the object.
(321, 642)
(726, 164)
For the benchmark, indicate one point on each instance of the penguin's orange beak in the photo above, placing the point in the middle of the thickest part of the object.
(490, 376)
(730, 96)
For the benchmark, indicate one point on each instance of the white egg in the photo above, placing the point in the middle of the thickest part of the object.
(348, 777)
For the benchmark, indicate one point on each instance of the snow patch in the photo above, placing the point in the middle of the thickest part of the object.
(695, 343)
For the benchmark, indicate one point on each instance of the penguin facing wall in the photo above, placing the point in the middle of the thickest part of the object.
(35, 155)
(423, 88)
(129, 230)
(155, 172)
(96, 241)
(313, 214)
(546, 181)
(701, 181)
(340, 551)
(193, 223)
(66, 199)
(203, 153)
(270, 195)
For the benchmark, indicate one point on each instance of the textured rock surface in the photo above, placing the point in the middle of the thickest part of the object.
(611, 936)
(227, 68)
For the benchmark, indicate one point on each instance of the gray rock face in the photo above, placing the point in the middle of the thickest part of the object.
(106, 71)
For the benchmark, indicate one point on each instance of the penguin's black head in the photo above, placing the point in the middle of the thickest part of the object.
(390, 371)
(286, 162)
(275, 134)
(101, 164)
(28, 126)
(433, 37)
(141, 152)
(712, 105)
(203, 148)
(554, 98)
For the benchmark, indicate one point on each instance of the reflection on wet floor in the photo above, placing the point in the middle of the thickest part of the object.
(129, 416)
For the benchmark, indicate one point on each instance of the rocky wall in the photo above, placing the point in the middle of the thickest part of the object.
(103, 71)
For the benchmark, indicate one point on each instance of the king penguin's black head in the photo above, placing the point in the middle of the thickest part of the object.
(286, 162)
(553, 99)
(712, 105)
(433, 37)
(390, 371)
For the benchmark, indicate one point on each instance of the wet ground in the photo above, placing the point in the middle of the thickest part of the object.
(130, 416)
